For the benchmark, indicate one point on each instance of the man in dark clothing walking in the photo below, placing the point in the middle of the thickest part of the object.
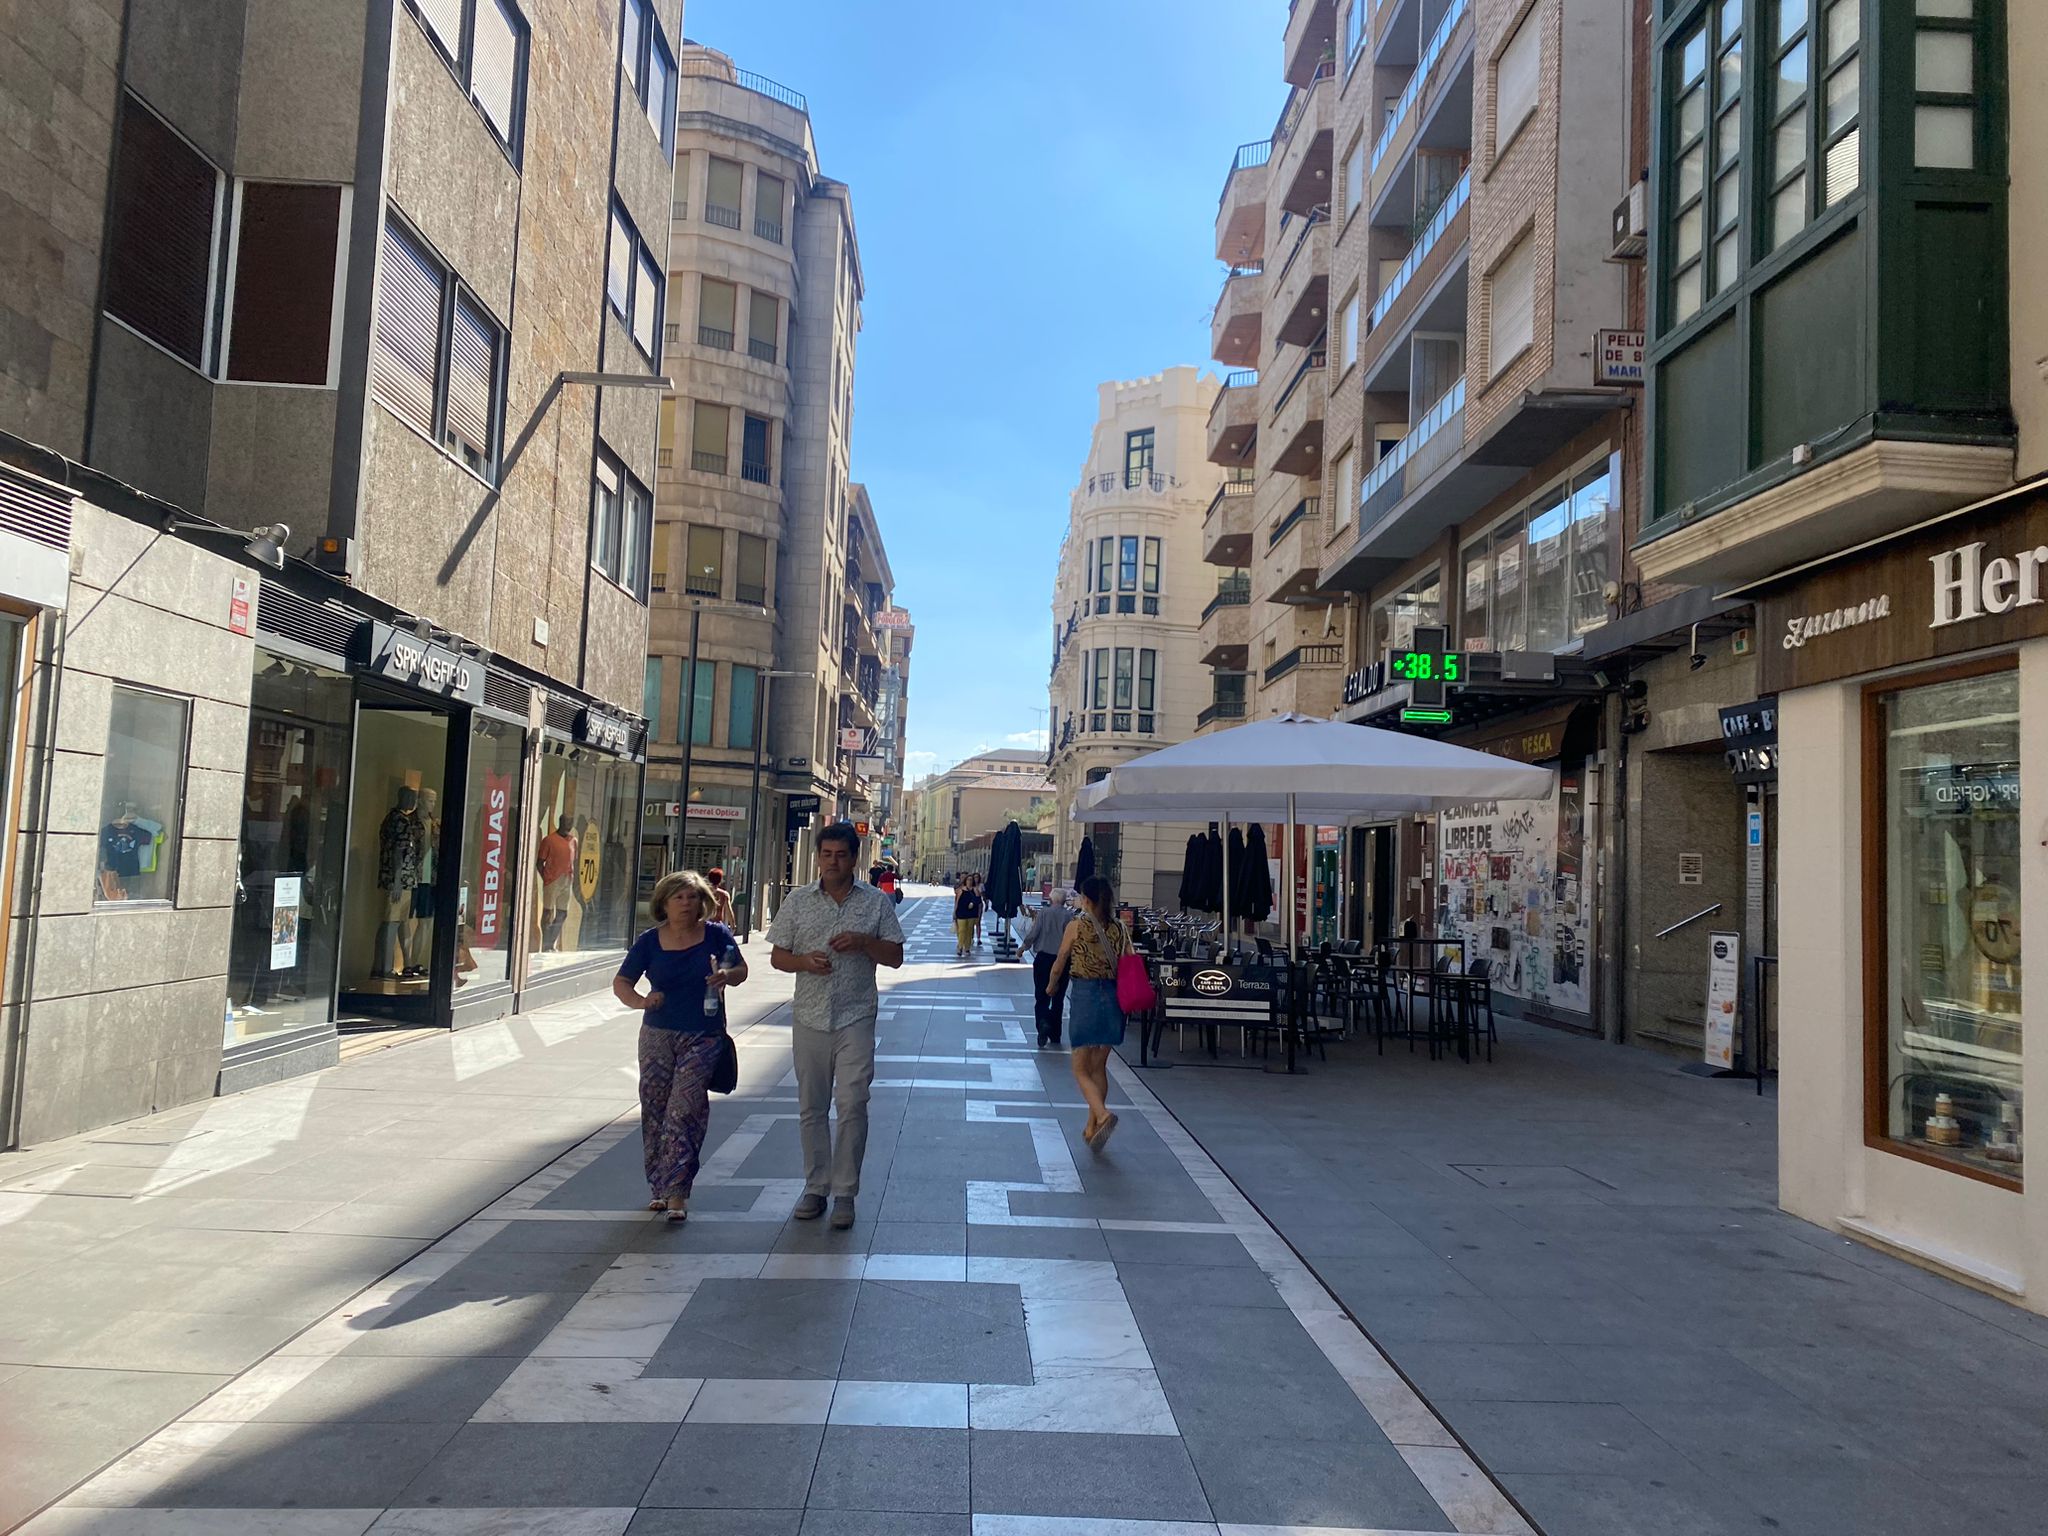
(1048, 924)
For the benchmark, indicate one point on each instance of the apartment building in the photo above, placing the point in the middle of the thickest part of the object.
(764, 670)
(976, 796)
(1127, 607)
(895, 634)
(329, 364)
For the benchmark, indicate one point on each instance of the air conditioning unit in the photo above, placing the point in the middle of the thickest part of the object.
(1631, 222)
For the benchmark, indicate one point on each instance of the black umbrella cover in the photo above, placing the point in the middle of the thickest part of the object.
(1240, 871)
(1258, 893)
(1212, 871)
(1191, 873)
(1084, 862)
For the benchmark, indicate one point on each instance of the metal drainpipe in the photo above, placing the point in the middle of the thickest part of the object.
(1614, 883)
(46, 709)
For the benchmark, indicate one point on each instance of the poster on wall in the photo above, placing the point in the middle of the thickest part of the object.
(1511, 877)
(488, 921)
(284, 923)
(1724, 952)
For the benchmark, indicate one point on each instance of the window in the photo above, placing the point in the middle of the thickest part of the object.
(717, 304)
(1354, 31)
(1841, 147)
(1137, 457)
(768, 195)
(754, 449)
(1127, 563)
(166, 206)
(1515, 71)
(1549, 573)
(287, 246)
(621, 524)
(1395, 616)
(722, 193)
(1944, 85)
(618, 266)
(634, 538)
(1347, 351)
(1537, 580)
(1105, 558)
(710, 431)
(1100, 699)
(703, 577)
(647, 303)
(1592, 523)
(1945, 1026)
(1354, 176)
(1344, 483)
(1686, 68)
(751, 573)
(439, 360)
(1725, 211)
(698, 703)
(633, 282)
(650, 69)
(142, 797)
(1148, 679)
(740, 712)
(1511, 306)
(1789, 130)
(1122, 699)
(764, 323)
(650, 696)
(1151, 565)
(493, 68)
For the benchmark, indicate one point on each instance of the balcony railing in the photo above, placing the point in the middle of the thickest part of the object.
(1318, 358)
(1222, 709)
(769, 229)
(711, 336)
(701, 584)
(751, 593)
(700, 67)
(1319, 214)
(1304, 656)
(707, 463)
(679, 209)
(1438, 41)
(1241, 378)
(1307, 507)
(1231, 592)
(1432, 232)
(1453, 401)
(664, 458)
(760, 351)
(752, 470)
(1252, 155)
(719, 214)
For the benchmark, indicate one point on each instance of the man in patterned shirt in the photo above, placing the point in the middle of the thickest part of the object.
(832, 936)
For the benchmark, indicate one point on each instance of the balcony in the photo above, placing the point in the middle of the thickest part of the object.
(1296, 429)
(1301, 288)
(1311, 38)
(711, 336)
(1241, 209)
(1237, 330)
(1293, 554)
(1227, 525)
(1444, 235)
(1432, 303)
(1433, 111)
(1226, 625)
(1331, 655)
(1222, 712)
(1308, 680)
(1301, 143)
(1234, 418)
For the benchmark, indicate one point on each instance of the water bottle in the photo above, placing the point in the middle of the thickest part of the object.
(730, 959)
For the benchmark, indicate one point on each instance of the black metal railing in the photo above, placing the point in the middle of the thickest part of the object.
(719, 214)
(1305, 656)
(678, 209)
(750, 592)
(1221, 709)
(701, 584)
(664, 458)
(711, 336)
(704, 68)
(1302, 509)
(760, 351)
(1229, 490)
(1231, 592)
(707, 463)
(1317, 359)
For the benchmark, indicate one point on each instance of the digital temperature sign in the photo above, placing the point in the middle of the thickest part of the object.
(1428, 668)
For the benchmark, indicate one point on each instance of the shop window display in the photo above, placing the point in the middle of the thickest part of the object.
(392, 897)
(490, 853)
(585, 838)
(294, 838)
(142, 798)
(1947, 1042)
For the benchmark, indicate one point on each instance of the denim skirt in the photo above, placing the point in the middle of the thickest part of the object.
(1093, 1016)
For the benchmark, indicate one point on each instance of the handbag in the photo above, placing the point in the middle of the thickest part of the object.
(1134, 993)
(725, 1072)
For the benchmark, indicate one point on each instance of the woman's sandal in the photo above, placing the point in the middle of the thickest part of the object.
(1102, 1135)
(657, 1204)
(677, 1214)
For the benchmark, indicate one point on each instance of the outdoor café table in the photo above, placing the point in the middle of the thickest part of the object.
(1420, 983)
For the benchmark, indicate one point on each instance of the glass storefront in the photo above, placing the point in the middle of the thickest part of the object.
(585, 830)
(392, 894)
(281, 960)
(490, 853)
(1947, 1040)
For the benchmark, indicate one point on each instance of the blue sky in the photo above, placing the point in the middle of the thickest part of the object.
(1035, 190)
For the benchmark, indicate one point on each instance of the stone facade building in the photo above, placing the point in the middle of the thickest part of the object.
(326, 369)
(1129, 601)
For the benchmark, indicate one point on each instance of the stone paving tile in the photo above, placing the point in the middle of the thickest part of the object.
(926, 1331)
(1085, 1476)
(716, 1522)
(782, 1329)
(389, 1390)
(737, 1466)
(552, 1465)
(283, 1466)
(915, 1470)
(1288, 1481)
(57, 1425)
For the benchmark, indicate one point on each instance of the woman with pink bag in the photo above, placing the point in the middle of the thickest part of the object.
(1092, 951)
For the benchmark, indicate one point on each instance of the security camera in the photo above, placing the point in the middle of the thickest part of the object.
(1697, 660)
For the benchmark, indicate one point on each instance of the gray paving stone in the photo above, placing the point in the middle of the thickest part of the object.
(922, 1470)
(919, 1237)
(1036, 1243)
(1251, 1371)
(59, 1426)
(1873, 1501)
(391, 1390)
(1411, 1318)
(706, 1237)
(1495, 1373)
(1155, 1289)
(568, 1237)
(455, 1325)
(324, 1466)
(905, 1330)
(493, 1271)
(1287, 1481)
(760, 1329)
(1633, 1373)
(716, 1522)
(737, 1466)
(1130, 1477)
(541, 1465)
(1205, 1249)
(1600, 1439)
(849, 1522)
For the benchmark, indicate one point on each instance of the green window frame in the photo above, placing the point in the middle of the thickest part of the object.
(1946, 79)
(705, 675)
(650, 697)
(1704, 125)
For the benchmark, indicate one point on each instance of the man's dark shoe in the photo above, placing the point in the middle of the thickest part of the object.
(809, 1208)
(842, 1213)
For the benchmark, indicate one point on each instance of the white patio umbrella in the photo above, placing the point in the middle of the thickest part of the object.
(1297, 767)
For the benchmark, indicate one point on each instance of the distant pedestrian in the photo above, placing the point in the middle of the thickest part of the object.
(1088, 953)
(832, 936)
(1048, 927)
(980, 905)
(688, 963)
(721, 898)
(964, 914)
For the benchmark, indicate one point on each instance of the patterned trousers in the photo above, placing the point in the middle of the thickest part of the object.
(675, 1105)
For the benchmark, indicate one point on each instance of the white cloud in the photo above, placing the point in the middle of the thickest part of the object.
(1025, 738)
(920, 760)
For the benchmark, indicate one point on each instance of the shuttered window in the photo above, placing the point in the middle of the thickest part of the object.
(472, 385)
(1514, 79)
(281, 323)
(607, 513)
(639, 527)
(647, 303)
(444, 23)
(165, 207)
(618, 267)
(494, 71)
(660, 98)
(1511, 301)
(409, 291)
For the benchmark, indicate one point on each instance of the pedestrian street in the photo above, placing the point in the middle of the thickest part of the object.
(1017, 1337)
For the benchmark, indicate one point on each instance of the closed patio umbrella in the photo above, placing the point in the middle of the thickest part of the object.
(1084, 861)
(1258, 877)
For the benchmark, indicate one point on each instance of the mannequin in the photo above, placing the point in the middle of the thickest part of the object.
(419, 920)
(401, 844)
(123, 846)
(556, 861)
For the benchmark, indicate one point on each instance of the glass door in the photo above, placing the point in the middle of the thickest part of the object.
(391, 895)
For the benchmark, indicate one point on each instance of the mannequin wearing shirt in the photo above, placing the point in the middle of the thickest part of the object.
(127, 849)
(417, 928)
(401, 846)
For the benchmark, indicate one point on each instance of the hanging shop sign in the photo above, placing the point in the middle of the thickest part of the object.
(805, 805)
(1749, 737)
(1958, 585)
(853, 739)
(399, 656)
(1533, 738)
(605, 731)
(1363, 683)
(487, 925)
(1618, 357)
(239, 597)
(892, 618)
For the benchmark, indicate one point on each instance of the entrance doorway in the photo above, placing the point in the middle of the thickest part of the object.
(395, 951)
(1371, 918)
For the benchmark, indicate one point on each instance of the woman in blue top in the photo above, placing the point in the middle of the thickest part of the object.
(688, 963)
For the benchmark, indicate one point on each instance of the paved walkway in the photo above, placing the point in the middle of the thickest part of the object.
(1575, 1254)
(1016, 1338)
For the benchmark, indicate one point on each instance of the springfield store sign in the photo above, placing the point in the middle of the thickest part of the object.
(1958, 586)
